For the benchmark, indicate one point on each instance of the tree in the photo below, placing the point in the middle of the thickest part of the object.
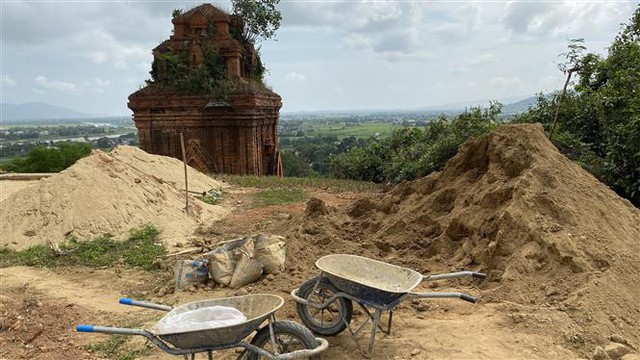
(409, 153)
(570, 66)
(598, 124)
(614, 84)
(260, 18)
(45, 159)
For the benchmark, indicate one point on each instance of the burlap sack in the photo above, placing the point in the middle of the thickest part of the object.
(223, 259)
(247, 271)
(270, 251)
(221, 265)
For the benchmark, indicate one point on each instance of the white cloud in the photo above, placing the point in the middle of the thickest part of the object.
(294, 77)
(103, 47)
(435, 52)
(472, 63)
(562, 19)
(7, 81)
(503, 85)
(143, 66)
(98, 85)
(42, 84)
(101, 82)
(97, 57)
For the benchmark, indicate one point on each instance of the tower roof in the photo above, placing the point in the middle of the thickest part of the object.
(207, 10)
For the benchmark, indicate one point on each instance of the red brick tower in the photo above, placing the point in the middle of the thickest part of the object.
(231, 131)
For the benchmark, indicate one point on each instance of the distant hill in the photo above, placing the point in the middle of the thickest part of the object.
(38, 111)
(519, 106)
(511, 106)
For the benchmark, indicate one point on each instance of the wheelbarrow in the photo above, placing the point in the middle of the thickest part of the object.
(325, 302)
(281, 340)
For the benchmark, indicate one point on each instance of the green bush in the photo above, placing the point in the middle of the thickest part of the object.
(409, 153)
(45, 159)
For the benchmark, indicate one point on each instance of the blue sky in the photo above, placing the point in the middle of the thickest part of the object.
(329, 55)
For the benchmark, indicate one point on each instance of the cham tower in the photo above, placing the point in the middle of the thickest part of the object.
(206, 83)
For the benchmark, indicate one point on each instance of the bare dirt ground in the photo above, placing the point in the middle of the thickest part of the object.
(40, 308)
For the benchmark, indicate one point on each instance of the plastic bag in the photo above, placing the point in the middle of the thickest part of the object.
(200, 319)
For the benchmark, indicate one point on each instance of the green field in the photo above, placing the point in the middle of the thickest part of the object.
(342, 130)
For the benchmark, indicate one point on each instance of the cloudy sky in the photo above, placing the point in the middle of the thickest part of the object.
(329, 55)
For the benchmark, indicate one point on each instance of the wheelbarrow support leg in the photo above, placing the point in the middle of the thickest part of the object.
(376, 322)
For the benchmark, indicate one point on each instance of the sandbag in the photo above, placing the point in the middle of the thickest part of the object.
(247, 271)
(244, 244)
(189, 272)
(270, 251)
(221, 265)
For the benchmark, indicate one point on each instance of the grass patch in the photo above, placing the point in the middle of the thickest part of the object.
(278, 196)
(114, 347)
(326, 184)
(139, 250)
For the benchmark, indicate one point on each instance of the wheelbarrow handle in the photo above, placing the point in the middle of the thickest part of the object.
(458, 274)
(424, 295)
(144, 304)
(110, 330)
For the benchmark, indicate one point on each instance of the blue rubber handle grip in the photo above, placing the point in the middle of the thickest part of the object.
(84, 328)
(125, 301)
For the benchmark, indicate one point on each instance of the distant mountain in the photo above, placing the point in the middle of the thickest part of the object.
(510, 106)
(519, 106)
(37, 111)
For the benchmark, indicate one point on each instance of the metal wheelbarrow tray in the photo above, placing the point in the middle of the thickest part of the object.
(345, 279)
(256, 307)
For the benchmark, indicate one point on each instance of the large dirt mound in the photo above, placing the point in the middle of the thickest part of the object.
(107, 193)
(509, 204)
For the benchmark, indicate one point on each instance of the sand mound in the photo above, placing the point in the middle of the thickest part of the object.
(511, 205)
(107, 194)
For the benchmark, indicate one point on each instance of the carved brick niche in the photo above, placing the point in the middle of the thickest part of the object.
(234, 136)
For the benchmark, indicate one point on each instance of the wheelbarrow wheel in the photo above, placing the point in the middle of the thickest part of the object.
(329, 321)
(289, 336)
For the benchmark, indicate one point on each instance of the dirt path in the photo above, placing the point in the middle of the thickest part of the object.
(97, 290)
(448, 330)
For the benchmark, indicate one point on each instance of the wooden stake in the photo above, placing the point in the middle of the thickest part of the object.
(186, 183)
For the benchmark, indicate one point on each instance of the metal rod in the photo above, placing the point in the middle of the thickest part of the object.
(453, 275)
(186, 183)
(374, 329)
(144, 304)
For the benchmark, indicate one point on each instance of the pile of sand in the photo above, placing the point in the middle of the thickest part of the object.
(509, 204)
(108, 193)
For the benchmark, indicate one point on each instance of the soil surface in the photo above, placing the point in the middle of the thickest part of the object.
(561, 250)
